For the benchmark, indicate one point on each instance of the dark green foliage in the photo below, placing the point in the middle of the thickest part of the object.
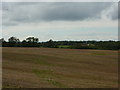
(50, 44)
(110, 45)
(14, 42)
(33, 42)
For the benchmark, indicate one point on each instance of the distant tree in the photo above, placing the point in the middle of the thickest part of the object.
(1, 41)
(50, 43)
(32, 42)
(32, 39)
(13, 41)
(36, 40)
(24, 41)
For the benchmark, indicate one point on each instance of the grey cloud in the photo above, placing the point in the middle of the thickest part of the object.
(119, 10)
(38, 12)
(113, 11)
(75, 11)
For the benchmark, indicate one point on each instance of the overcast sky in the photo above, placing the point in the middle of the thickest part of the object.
(60, 20)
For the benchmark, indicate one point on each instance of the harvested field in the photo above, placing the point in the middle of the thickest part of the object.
(59, 68)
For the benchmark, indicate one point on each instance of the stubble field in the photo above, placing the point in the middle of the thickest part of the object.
(59, 68)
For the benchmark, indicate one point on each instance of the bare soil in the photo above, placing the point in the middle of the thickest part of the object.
(59, 68)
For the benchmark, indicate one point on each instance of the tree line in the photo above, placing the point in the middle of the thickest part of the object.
(34, 42)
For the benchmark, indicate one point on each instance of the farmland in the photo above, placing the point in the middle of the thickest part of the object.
(59, 68)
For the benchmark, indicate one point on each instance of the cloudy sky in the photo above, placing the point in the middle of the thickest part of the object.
(60, 20)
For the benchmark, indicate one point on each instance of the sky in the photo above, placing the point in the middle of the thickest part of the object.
(60, 20)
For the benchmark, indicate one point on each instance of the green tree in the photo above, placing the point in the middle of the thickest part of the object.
(32, 39)
(13, 39)
(13, 42)
(50, 43)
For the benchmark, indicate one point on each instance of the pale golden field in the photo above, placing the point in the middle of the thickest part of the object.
(59, 68)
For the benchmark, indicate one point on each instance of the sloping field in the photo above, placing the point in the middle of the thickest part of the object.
(59, 68)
